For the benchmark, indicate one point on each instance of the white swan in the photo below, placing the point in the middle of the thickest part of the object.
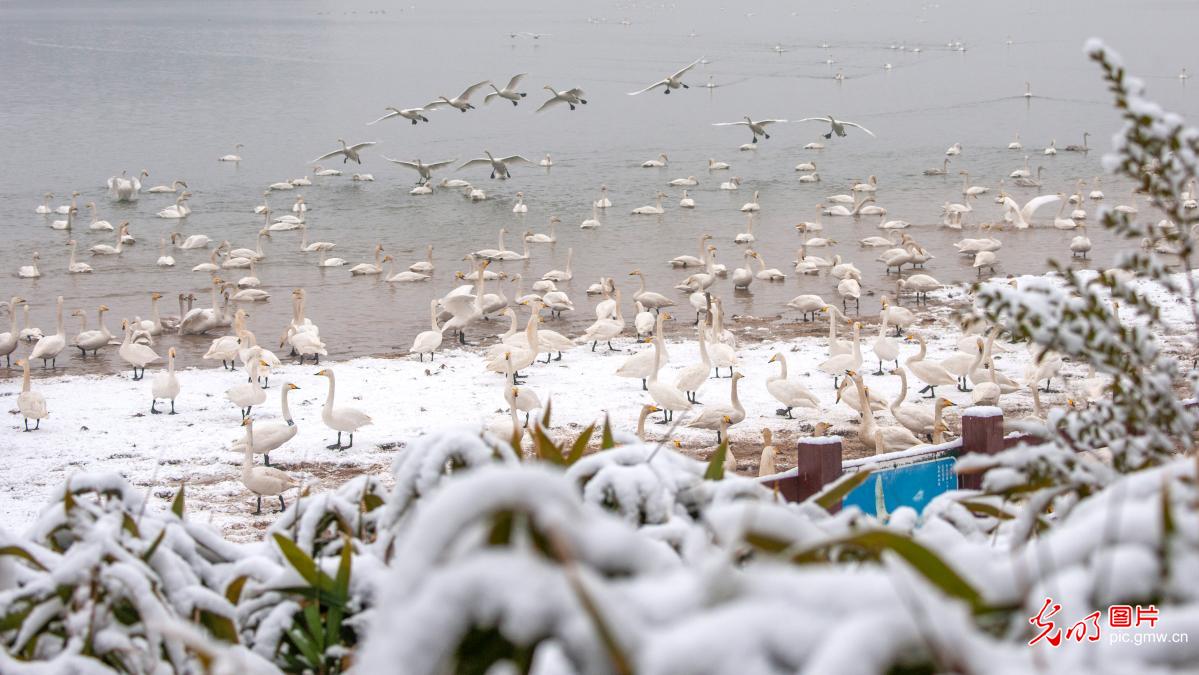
(498, 165)
(570, 97)
(661, 161)
(76, 267)
(672, 81)
(655, 210)
(836, 126)
(125, 189)
(248, 394)
(561, 275)
(347, 152)
(756, 128)
(370, 268)
(175, 186)
(1021, 216)
(262, 480)
(179, 210)
(234, 157)
(413, 114)
(460, 102)
(790, 393)
(97, 225)
(719, 417)
(31, 404)
(136, 355)
(165, 385)
(50, 346)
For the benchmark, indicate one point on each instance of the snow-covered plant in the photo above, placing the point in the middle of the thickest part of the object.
(1142, 419)
(102, 578)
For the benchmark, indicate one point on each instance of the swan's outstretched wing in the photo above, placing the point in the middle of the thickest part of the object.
(434, 105)
(855, 124)
(389, 115)
(475, 162)
(766, 122)
(659, 83)
(514, 158)
(730, 124)
(552, 102)
(1035, 203)
(575, 92)
(358, 146)
(469, 91)
(410, 165)
(819, 119)
(515, 80)
(459, 304)
(487, 98)
(328, 155)
(683, 71)
(434, 166)
(112, 181)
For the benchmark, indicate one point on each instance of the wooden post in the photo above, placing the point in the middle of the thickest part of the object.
(817, 464)
(982, 432)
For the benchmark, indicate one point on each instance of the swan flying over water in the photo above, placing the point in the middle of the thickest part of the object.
(414, 114)
(348, 152)
(425, 170)
(569, 97)
(672, 81)
(756, 128)
(837, 126)
(499, 165)
(461, 101)
(509, 92)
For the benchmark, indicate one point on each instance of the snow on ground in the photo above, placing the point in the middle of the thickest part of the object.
(102, 423)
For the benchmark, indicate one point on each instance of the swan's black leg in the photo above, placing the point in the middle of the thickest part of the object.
(282, 506)
(259, 509)
(526, 420)
(583, 101)
(266, 459)
(643, 386)
(685, 86)
(153, 410)
(337, 445)
(172, 408)
(351, 442)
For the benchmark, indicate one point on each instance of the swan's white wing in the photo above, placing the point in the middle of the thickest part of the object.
(575, 92)
(359, 146)
(765, 122)
(387, 116)
(683, 71)
(515, 80)
(1035, 203)
(475, 162)
(855, 124)
(410, 165)
(487, 98)
(729, 124)
(818, 119)
(514, 158)
(466, 94)
(112, 180)
(553, 101)
(459, 305)
(439, 165)
(659, 83)
(433, 105)
(327, 155)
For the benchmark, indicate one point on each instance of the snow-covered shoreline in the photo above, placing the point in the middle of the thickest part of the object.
(102, 423)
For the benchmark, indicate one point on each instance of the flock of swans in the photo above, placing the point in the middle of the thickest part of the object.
(517, 356)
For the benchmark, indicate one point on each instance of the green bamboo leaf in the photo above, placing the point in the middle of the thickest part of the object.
(715, 469)
(312, 617)
(619, 660)
(935, 570)
(18, 552)
(545, 414)
(580, 445)
(835, 492)
(234, 589)
(372, 502)
(128, 524)
(306, 647)
(149, 554)
(606, 440)
(177, 502)
(299, 560)
(545, 448)
(984, 509)
(501, 528)
(221, 627)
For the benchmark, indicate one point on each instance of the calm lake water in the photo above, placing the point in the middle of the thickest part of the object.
(95, 88)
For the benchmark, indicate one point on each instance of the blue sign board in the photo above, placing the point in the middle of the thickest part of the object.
(912, 485)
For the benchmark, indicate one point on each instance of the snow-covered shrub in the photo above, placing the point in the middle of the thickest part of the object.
(102, 577)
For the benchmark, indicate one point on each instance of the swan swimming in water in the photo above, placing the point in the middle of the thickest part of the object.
(232, 157)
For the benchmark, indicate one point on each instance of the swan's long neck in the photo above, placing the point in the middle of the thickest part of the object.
(100, 323)
(171, 371)
(282, 401)
(882, 326)
(736, 400)
(703, 349)
(25, 379)
(71, 262)
(247, 460)
(12, 314)
(857, 342)
(782, 368)
(531, 329)
(923, 349)
(61, 331)
(332, 391)
(433, 316)
(868, 425)
(82, 322)
(570, 254)
(653, 375)
(832, 326)
(903, 389)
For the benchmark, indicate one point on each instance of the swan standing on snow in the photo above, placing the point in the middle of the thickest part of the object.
(791, 393)
(414, 114)
(341, 419)
(347, 152)
(509, 92)
(460, 102)
(31, 403)
(137, 355)
(836, 126)
(165, 385)
(756, 128)
(672, 81)
(570, 97)
(428, 341)
(262, 480)
(499, 165)
(233, 157)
